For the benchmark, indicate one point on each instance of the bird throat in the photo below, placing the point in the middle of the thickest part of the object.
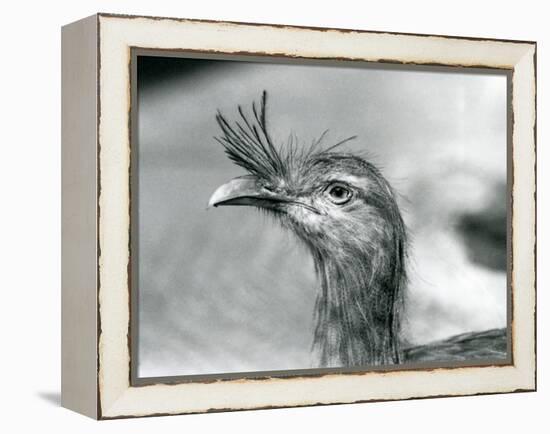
(357, 308)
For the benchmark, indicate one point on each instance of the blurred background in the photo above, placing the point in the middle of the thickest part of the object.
(226, 290)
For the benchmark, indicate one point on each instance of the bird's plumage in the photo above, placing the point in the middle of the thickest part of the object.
(489, 345)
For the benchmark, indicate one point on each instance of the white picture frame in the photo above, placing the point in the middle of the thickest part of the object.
(96, 278)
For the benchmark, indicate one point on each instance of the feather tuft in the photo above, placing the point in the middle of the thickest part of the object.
(248, 144)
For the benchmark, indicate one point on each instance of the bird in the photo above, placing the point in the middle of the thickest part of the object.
(345, 212)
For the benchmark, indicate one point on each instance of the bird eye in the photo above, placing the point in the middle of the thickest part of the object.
(338, 193)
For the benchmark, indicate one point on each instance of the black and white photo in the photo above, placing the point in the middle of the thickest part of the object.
(291, 216)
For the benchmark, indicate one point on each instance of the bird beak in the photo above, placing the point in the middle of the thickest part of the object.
(245, 190)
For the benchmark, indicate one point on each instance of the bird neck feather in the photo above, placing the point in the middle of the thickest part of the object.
(359, 304)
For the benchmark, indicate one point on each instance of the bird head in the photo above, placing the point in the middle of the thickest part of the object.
(333, 201)
(345, 211)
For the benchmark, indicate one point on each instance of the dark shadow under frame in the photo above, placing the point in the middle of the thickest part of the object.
(133, 266)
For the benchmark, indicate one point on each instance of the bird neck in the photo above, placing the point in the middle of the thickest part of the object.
(359, 304)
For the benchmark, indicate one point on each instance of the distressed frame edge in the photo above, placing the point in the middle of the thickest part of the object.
(529, 386)
(304, 27)
(79, 182)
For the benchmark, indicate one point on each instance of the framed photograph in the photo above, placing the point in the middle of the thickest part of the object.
(262, 216)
